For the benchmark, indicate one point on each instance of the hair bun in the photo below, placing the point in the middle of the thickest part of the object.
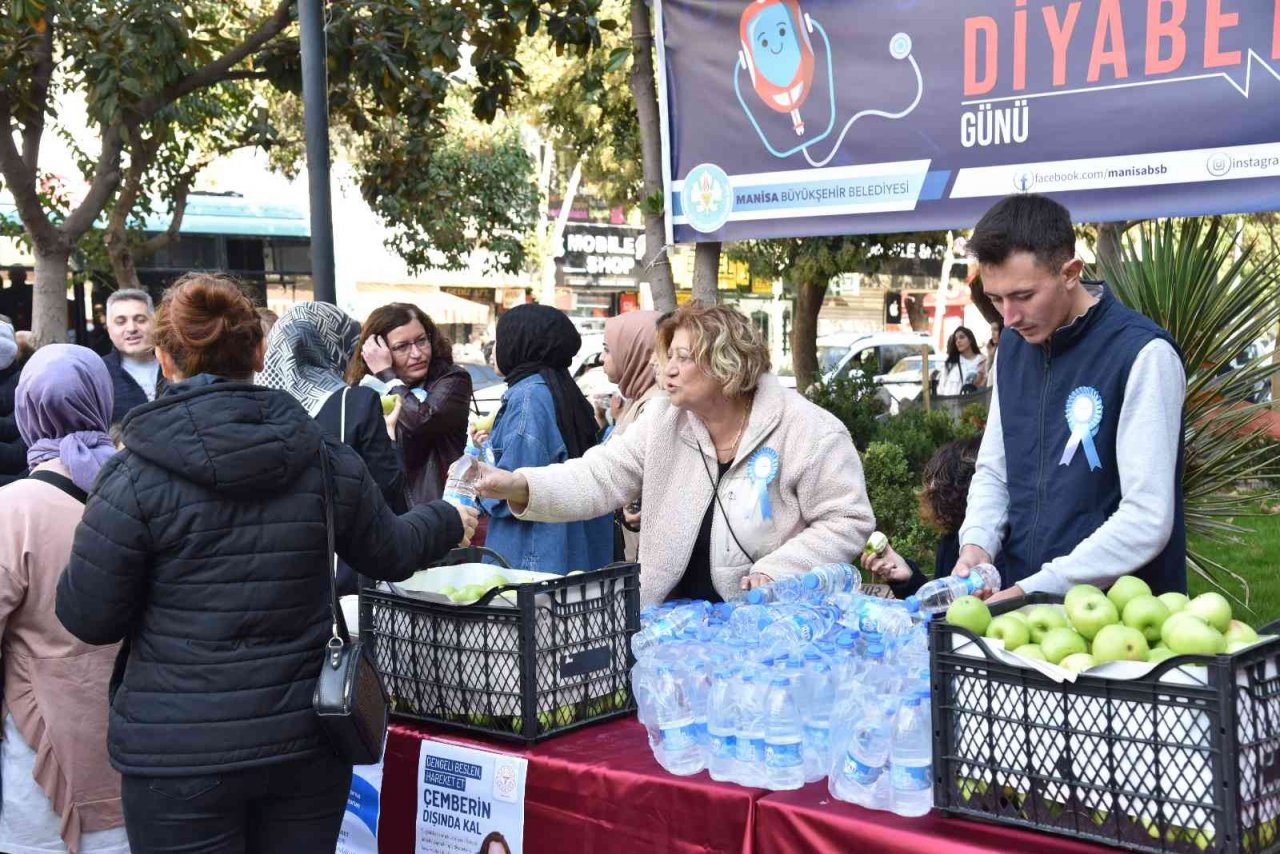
(208, 325)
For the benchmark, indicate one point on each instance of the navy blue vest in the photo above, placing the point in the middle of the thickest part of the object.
(1052, 507)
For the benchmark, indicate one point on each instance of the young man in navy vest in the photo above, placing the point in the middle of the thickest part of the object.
(1079, 478)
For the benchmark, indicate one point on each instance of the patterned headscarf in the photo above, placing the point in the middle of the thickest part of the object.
(308, 352)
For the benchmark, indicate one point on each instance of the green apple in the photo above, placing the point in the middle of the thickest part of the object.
(970, 612)
(1127, 587)
(497, 580)
(1236, 646)
(1191, 635)
(1175, 602)
(1120, 643)
(1238, 632)
(447, 590)
(1174, 621)
(1078, 663)
(1213, 608)
(1146, 614)
(1061, 642)
(1022, 618)
(1079, 592)
(1042, 618)
(1159, 653)
(1031, 650)
(388, 403)
(1009, 629)
(1088, 614)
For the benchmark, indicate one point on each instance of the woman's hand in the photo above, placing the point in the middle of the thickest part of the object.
(503, 485)
(377, 356)
(753, 580)
(631, 520)
(393, 417)
(888, 567)
(470, 518)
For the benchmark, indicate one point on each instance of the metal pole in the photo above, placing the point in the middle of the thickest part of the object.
(315, 114)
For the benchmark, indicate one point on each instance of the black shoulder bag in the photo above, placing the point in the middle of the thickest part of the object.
(350, 698)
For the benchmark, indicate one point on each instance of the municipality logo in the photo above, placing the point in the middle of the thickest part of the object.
(707, 197)
(1218, 164)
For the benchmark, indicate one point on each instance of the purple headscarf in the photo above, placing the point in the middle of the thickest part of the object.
(63, 406)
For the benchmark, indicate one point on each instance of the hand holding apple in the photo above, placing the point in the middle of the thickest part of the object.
(887, 565)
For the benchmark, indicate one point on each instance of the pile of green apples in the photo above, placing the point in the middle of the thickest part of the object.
(1127, 623)
(472, 592)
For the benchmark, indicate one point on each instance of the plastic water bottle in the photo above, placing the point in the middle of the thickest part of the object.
(747, 621)
(789, 588)
(797, 626)
(847, 664)
(862, 778)
(885, 619)
(460, 486)
(936, 596)
(722, 722)
(833, 578)
(817, 707)
(697, 685)
(783, 737)
(911, 758)
(749, 742)
(667, 627)
(678, 749)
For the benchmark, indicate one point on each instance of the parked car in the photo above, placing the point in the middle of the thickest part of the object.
(839, 355)
(488, 387)
(903, 381)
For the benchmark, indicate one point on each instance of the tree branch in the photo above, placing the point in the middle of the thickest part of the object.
(106, 177)
(21, 182)
(156, 242)
(33, 127)
(246, 74)
(217, 71)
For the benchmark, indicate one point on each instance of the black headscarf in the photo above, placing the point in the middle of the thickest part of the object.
(538, 339)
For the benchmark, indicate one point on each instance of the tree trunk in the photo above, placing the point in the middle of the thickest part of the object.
(990, 313)
(644, 89)
(49, 303)
(706, 273)
(804, 332)
(1109, 234)
(123, 265)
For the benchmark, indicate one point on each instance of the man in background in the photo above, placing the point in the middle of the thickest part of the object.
(135, 373)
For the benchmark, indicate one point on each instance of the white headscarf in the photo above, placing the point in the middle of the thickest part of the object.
(308, 352)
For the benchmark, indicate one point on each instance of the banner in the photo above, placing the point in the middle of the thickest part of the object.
(469, 800)
(359, 834)
(786, 118)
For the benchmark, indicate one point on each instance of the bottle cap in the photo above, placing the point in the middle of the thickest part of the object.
(811, 581)
(846, 639)
(755, 597)
(782, 681)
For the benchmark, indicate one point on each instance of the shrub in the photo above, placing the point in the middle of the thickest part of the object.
(892, 487)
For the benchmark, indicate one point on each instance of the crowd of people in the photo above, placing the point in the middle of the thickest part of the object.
(163, 595)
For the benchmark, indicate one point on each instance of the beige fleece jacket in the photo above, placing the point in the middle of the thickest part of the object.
(820, 511)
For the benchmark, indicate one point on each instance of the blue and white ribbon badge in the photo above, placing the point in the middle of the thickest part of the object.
(762, 468)
(1084, 416)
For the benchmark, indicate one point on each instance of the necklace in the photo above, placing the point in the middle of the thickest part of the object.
(733, 447)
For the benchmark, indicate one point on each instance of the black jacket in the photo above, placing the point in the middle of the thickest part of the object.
(128, 394)
(433, 432)
(13, 452)
(203, 546)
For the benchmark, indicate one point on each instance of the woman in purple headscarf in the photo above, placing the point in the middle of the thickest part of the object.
(58, 788)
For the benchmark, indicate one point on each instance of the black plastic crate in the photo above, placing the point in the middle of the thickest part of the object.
(1148, 764)
(557, 660)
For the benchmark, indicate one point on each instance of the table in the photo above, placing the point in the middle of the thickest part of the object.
(600, 790)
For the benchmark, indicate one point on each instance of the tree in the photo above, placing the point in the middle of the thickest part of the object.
(809, 264)
(137, 62)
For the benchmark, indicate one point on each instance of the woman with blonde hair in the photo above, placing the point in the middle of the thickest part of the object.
(741, 480)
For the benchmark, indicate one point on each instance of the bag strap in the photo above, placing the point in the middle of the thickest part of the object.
(342, 420)
(62, 482)
(340, 634)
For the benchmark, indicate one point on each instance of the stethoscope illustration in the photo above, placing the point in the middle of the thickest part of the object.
(777, 53)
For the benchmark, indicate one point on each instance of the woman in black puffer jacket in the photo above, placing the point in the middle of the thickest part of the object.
(203, 547)
(13, 452)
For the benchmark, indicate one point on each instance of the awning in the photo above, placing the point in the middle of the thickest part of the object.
(233, 215)
(441, 307)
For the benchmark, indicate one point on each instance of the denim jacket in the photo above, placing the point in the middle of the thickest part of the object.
(526, 435)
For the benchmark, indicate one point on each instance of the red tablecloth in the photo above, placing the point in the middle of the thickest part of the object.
(600, 790)
(595, 790)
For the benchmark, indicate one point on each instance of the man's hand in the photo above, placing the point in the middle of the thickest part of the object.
(1013, 592)
(470, 518)
(889, 567)
(971, 556)
(504, 486)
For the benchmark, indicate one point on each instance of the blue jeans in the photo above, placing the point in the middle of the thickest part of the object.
(288, 808)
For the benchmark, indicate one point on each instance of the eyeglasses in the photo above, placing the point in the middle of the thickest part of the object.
(422, 344)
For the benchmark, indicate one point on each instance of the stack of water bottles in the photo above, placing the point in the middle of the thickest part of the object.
(806, 678)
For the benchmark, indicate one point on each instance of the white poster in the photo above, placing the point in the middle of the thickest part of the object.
(359, 834)
(469, 801)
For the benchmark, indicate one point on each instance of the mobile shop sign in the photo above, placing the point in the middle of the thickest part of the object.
(600, 255)
(809, 117)
(469, 800)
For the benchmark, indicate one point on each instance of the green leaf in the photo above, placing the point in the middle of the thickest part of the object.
(617, 58)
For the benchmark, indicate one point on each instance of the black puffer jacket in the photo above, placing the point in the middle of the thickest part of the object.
(13, 451)
(203, 545)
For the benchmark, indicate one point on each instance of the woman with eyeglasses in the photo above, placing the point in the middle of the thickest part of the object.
(403, 350)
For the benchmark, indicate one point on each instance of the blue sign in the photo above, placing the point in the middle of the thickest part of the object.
(792, 118)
